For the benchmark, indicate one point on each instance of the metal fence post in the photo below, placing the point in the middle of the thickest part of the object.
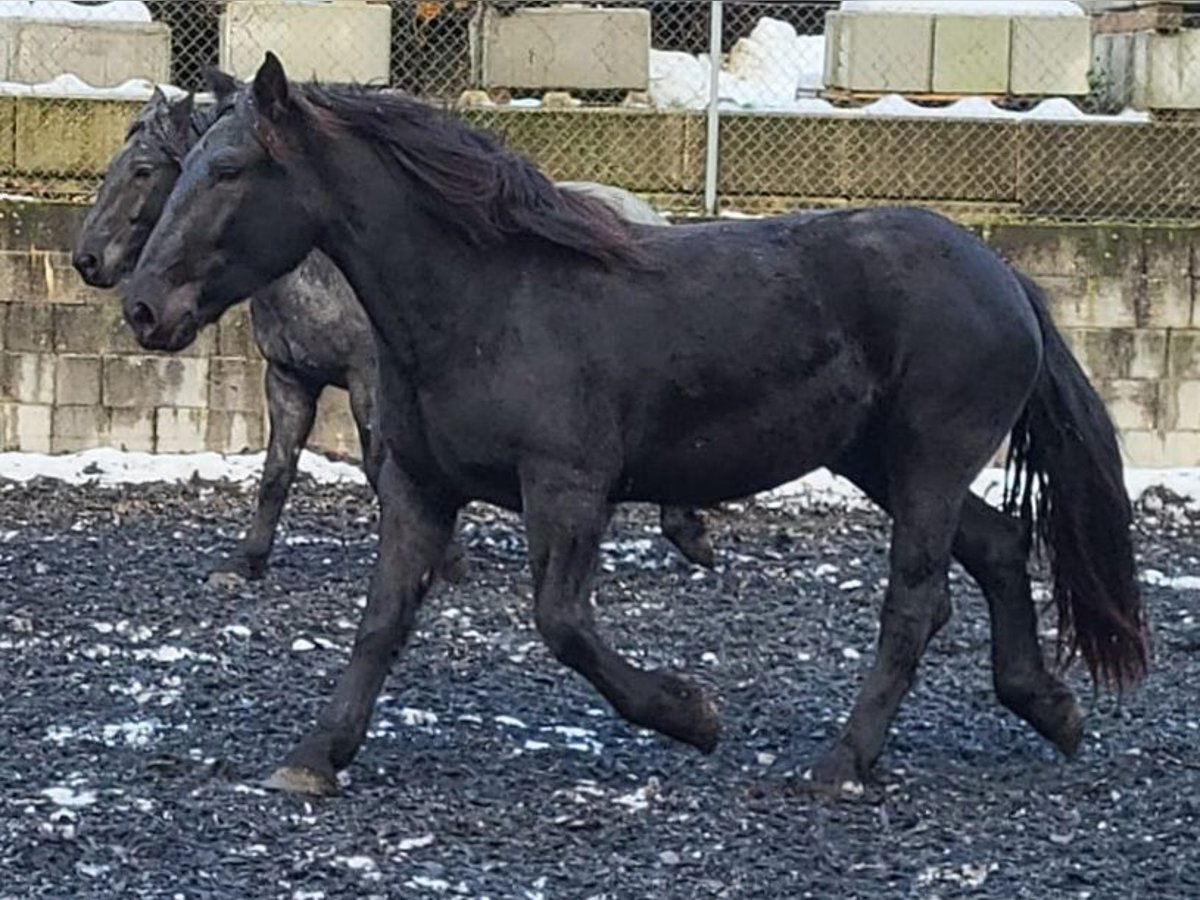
(713, 143)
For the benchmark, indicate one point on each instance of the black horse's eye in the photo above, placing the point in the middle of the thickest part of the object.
(141, 173)
(226, 173)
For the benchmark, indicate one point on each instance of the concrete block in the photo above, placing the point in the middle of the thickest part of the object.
(27, 427)
(29, 327)
(1166, 70)
(28, 377)
(145, 381)
(881, 52)
(1183, 355)
(56, 136)
(1090, 302)
(179, 430)
(1181, 449)
(132, 429)
(334, 40)
(103, 54)
(235, 334)
(1143, 449)
(77, 381)
(236, 385)
(1038, 250)
(1166, 303)
(1181, 405)
(89, 328)
(568, 47)
(1051, 55)
(1110, 353)
(1133, 404)
(58, 280)
(78, 428)
(234, 432)
(971, 54)
(334, 430)
(18, 283)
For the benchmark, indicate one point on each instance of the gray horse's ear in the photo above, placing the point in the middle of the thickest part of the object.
(222, 84)
(181, 113)
(271, 91)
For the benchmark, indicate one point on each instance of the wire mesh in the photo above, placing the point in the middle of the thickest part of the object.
(1063, 109)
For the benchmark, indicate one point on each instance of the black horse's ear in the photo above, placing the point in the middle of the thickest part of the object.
(181, 113)
(222, 84)
(271, 91)
(158, 98)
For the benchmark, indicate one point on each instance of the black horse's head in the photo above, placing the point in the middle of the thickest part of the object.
(139, 179)
(240, 216)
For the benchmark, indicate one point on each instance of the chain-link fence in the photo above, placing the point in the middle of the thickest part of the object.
(1064, 109)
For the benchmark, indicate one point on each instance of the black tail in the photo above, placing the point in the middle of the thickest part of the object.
(1066, 444)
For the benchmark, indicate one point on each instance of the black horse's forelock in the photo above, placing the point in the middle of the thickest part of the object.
(469, 180)
(154, 121)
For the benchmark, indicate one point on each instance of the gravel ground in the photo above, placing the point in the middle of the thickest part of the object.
(140, 707)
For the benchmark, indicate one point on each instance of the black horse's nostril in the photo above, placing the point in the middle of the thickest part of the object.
(85, 264)
(141, 318)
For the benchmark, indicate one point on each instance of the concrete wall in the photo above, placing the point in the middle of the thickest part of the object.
(72, 377)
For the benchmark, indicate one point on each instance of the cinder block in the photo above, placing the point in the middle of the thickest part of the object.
(29, 327)
(1133, 404)
(1120, 352)
(568, 47)
(103, 54)
(1051, 55)
(27, 427)
(334, 430)
(234, 432)
(77, 381)
(180, 430)
(971, 54)
(1181, 403)
(17, 281)
(881, 52)
(57, 279)
(1038, 250)
(1143, 449)
(28, 377)
(1166, 303)
(1181, 449)
(143, 381)
(1093, 302)
(235, 334)
(1183, 356)
(1165, 74)
(338, 40)
(132, 429)
(78, 428)
(236, 385)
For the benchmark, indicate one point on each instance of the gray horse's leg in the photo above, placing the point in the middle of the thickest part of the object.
(291, 407)
(684, 528)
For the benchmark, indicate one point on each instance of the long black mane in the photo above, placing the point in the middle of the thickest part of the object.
(471, 182)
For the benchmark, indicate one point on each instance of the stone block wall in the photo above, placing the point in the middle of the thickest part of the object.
(72, 377)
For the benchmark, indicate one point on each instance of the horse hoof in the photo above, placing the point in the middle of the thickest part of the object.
(227, 580)
(837, 772)
(247, 568)
(685, 712)
(301, 780)
(1069, 734)
(700, 551)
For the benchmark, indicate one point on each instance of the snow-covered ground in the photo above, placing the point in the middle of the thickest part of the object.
(110, 468)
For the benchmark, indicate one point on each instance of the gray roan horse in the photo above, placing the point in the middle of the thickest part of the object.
(311, 330)
(539, 353)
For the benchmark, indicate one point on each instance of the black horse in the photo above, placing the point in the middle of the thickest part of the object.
(539, 353)
(309, 327)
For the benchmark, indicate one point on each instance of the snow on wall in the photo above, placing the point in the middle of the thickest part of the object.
(967, 7)
(66, 11)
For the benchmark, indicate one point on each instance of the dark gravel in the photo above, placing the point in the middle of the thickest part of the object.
(139, 707)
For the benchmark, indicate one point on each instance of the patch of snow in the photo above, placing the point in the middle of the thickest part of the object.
(415, 843)
(511, 721)
(417, 717)
(437, 885)
(1178, 583)
(302, 645)
(70, 86)
(67, 11)
(967, 875)
(968, 7)
(69, 797)
(165, 654)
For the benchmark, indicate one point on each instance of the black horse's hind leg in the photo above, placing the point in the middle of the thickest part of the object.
(362, 405)
(684, 528)
(291, 407)
(994, 548)
(414, 529)
(565, 518)
(925, 511)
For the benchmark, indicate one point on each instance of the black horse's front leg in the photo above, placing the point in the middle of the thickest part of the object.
(565, 516)
(684, 528)
(414, 529)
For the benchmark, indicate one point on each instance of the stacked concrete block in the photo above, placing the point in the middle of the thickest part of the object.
(101, 54)
(330, 40)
